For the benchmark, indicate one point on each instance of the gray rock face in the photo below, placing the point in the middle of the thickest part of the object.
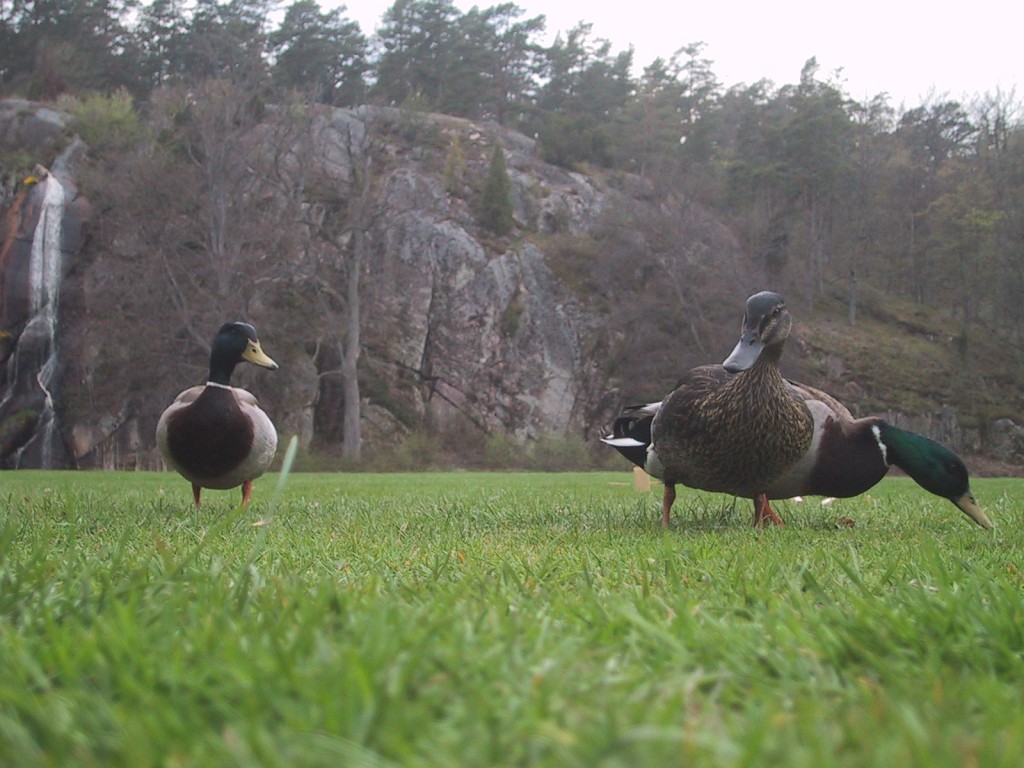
(459, 328)
(488, 335)
(28, 126)
(1007, 440)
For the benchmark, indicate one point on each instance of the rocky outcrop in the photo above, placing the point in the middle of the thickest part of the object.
(488, 335)
(1007, 441)
(456, 329)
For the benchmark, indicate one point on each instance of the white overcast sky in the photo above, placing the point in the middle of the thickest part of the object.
(909, 49)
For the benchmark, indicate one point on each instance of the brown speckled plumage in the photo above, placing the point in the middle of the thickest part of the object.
(736, 427)
(731, 433)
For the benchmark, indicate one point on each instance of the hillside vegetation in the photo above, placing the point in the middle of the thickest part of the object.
(904, 358)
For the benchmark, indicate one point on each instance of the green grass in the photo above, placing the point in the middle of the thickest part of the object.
(502, 620)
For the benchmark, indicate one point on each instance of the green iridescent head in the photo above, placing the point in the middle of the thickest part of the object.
(932, 465)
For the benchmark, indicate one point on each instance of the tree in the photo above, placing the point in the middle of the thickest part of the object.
(583, 77)
(585, 87)
(932, 139)
(321, 164)
(161, 38)
(1000, 146)
(865, 223)
(320, 53)
(514, 63)
(417, 37)
(345, 230)
(202, 204)
(815, 153)
(753, 118)
(668, 120)
(490, 69)
(495, 212)
(454, 167)
(227, 41)
(56, 46)
(788, 166)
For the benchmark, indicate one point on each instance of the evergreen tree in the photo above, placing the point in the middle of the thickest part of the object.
(418, 37)
(489, 69)
(322, 52)
(454, 167)
(161, 36)
(57, 46)
(668, 123)
(586, 86)
(495, 213)
(228, 41)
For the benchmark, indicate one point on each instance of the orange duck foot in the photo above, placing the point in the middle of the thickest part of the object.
(763, 512)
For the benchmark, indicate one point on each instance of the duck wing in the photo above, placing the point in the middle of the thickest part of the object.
(808, 393)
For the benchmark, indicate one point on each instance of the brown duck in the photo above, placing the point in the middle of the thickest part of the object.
(737, 427)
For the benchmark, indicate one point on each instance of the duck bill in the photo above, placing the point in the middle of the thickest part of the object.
(745, 353)
(970, 507)
(254, 354)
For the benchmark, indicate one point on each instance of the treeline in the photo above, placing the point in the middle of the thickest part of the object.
(832, 194)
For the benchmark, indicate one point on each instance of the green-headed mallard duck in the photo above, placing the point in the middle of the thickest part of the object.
(216, 435)
(848, 456)
(845, 457)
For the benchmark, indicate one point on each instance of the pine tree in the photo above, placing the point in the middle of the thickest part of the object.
(495, 213)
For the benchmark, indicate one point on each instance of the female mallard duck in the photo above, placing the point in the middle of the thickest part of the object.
(216, 435)
(845, 457)
(736, 427)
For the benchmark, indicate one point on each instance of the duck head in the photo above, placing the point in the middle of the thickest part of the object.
(766, 326)
(931, 465)
(235, 343)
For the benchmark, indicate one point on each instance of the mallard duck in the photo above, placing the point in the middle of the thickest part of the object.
(848, 456)
(845, 457)
(736, 427)
(216, 435)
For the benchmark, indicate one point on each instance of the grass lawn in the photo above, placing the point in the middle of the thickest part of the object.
(469, 619)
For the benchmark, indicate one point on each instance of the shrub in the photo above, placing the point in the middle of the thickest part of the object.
(454, 168)
(106, 122)
(502, 451)
(417, 451)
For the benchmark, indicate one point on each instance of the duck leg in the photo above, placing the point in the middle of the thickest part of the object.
(763, 512)
(666, 503)
(196, 490)
(246, 492)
